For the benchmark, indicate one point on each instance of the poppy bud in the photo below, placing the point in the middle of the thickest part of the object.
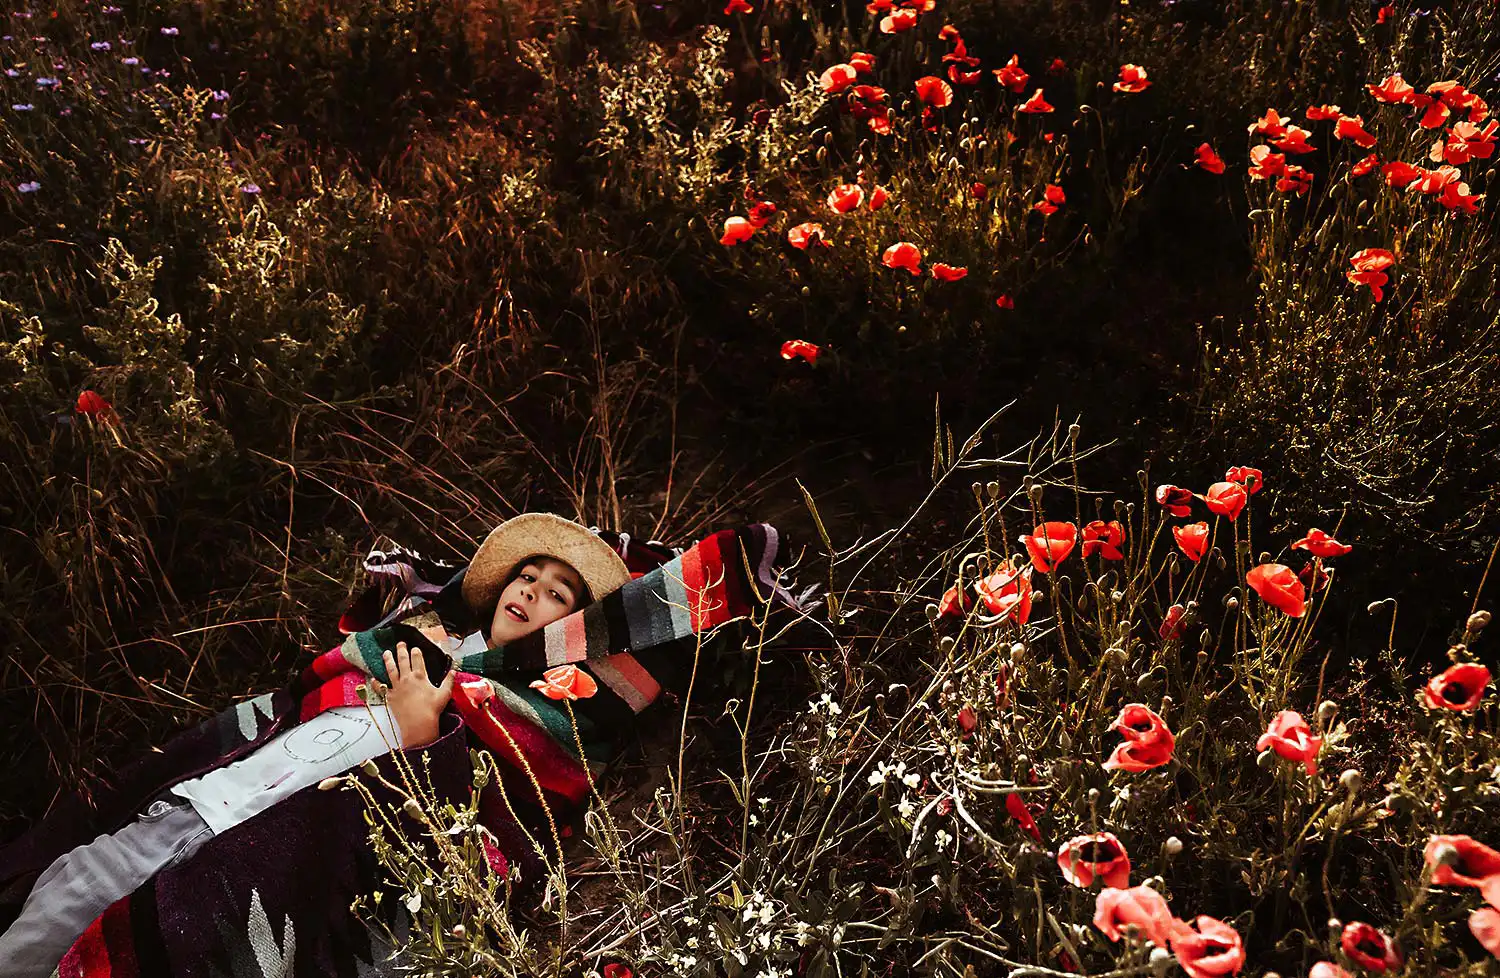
(946, 644)
(1266, 760)
(1172, 847)
(1231, 603)
(1064, 741)
(1017, 652)
(1477, 621)
(1445, 855)
(410, 807)
(328, 784)
(932, 611)
(1326, 711)
(369, 768)
(1352, 781)
(1161, 961)
(993, 488)
(1094, 794)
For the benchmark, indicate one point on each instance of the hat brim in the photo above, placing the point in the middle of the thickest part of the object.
(533, 534)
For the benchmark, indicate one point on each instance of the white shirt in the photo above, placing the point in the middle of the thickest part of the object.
(330, 743)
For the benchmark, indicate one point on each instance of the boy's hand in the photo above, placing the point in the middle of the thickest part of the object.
(413, 700)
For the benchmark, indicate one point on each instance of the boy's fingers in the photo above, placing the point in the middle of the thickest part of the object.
(390, 663)
(446, 686)
(418, 664)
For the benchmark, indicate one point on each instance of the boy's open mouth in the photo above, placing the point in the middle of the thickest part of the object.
(515, 612)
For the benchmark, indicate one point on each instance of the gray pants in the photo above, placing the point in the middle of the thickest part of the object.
(78, 886)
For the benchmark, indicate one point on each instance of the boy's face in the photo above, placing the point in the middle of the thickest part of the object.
(544, 590)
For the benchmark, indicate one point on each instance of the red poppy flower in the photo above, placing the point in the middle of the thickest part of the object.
(1279, 587)
(898, 21)
(1400, 174)
(761, 213)
(1459, 687)
(1246, 476)
(932, 90)
(1007, 591)
(978, 190)
(1212, 950)
(837, 78)
(1352, 128)
(1175, 500)
(959, 76)
(1369, 948)
(1205, 157)
(947, 273)
(1171, 625)
(1315, 576)
(1057, 67)
(566, 682)
(737, 230)
(1392, 90)
(1138, 907)
(1148, 741)
(800, 348)
(967, 721)
(1327, 969)
(1484, 924)
(862, 62)
(1192, 540)
(1361, 167)
(1052, 198)
(960, 53)
(1084, 858)
(1132, 79)
(617, 970)
(806, 234)
(1294, 140)
(903, 254)
(1477, 864)
(1320, 113)
(93, 404)
(846, 197)
(1005, 302)
(949, 33)
(1320, 544)
(1433, 181)
(1012, 76)
(1291, 738)
(879, 6)
(1018, 811)
(1035, 104)
(955, 603)
(1456, 197)
(1104, 539)
(1226, 499)
(878, 197)
(1049, 544)
(1270, 125)
(1435, 111)
(1265, 164)
(1294, 178)
(738, 7)
(1369, 265)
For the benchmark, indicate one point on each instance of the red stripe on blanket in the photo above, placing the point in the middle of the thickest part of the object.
(89, 956)
(512, 736)
(118, 942)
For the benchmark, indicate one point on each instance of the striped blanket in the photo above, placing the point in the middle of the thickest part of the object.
(628, 641)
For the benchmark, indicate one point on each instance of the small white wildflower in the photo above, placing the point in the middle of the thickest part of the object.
(692, 941)
(906, 808)
(911, 780)
(804, 932)
(942, 838)
(754, 819)
(832, 707)
(762, 802)
(831, 729)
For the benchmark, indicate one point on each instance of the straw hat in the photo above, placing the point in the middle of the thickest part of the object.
(529, 535)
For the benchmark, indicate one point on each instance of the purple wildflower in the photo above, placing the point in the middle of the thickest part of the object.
(111, 10)
(29, 188)
(216, 116)
(99, 46)
(12, 73)
(47, 83)
(250, 188)
(169, 31)
(22, 107)
(221, 96)
(132, 62)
